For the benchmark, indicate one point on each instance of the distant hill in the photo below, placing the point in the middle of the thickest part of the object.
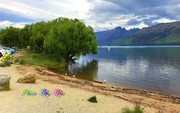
(107, 37)
(160, 34)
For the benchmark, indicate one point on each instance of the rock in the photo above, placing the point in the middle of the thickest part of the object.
(28, 78)
(5, 82)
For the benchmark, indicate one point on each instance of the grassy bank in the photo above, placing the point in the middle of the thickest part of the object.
(41, 59)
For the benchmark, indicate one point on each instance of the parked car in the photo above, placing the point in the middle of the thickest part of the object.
(3, 51)
(9, 50)
(6, 50)
(1, 55)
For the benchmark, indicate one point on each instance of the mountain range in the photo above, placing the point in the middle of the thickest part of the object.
(160, 34)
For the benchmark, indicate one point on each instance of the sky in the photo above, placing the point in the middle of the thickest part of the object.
(100, 14)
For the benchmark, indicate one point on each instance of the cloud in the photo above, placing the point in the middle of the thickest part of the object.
(7, 15)
(140, 12)
(101, 14)
(46, 10)
(163, 20)
(133, 22)
(4, 24)
(21, 11)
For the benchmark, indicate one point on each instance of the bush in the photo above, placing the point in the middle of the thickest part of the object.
(6, 60)
(137, 109)
(40, 60)
(22, 61)
(92, 99)
(2, 64)
(16, 61)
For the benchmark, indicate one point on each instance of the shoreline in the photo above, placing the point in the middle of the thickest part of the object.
(162, 102)
(107, 87)
(138, 46)
(20, 53)
(114, 98)
(75, 99)
(55, 73)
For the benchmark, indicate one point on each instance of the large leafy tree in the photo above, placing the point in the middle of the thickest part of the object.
(10, 37)
(68, 38)
(1, 35)
(24, 35)
(39, 31)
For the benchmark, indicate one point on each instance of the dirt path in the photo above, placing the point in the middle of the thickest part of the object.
(19, 53)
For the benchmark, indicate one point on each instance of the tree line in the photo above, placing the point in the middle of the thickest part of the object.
(61, 37)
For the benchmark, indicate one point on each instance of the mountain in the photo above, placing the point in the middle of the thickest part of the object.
(160, 34)
(107, 37)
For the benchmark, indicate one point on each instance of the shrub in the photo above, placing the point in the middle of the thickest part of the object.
(6, 60)
(22, 61)
(137, 109)
(16, 61)
(92, 99)
(2, 64)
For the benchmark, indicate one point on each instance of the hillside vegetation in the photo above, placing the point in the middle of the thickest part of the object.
(160, 34)
(107, 37)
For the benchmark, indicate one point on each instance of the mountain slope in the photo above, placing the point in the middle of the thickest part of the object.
(107, 37)
(160, 34)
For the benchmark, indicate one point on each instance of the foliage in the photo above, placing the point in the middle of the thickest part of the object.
(40, 59)
(39, 31)
(1, 36)
(69, 38)
(10, 37)
(6, 60)
(60, 38)
(24, 36)
(137, 109)
(92, 99)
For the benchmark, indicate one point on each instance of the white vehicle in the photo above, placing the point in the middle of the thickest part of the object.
(3, 51)
(8, 50)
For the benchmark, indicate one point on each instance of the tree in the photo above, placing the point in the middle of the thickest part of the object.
(39, 31)
(69, 38)
(24, 35)
(10, 37)
(1, 35)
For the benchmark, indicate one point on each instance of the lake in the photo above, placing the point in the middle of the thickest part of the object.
(152, 68)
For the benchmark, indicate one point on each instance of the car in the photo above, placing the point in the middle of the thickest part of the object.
(3, 51)
(1, 55)
(9, 50)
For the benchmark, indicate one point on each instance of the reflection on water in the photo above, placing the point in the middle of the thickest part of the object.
(87, 69)
(154, 69)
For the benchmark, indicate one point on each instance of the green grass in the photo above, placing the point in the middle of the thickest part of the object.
(137, 109)
(41, 59)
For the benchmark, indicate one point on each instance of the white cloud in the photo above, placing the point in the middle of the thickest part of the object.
(47, 9)
(163, 20)
(4, 24)
(112, 22)
(140, 25)
(100, 14)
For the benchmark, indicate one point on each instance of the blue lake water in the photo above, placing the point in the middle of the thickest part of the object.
(152, 68)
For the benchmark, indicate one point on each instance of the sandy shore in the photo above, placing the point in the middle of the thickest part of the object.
(74, 100)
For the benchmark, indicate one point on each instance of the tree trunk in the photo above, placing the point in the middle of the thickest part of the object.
(67, 62)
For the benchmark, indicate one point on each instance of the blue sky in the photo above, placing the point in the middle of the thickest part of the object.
(100, 14)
